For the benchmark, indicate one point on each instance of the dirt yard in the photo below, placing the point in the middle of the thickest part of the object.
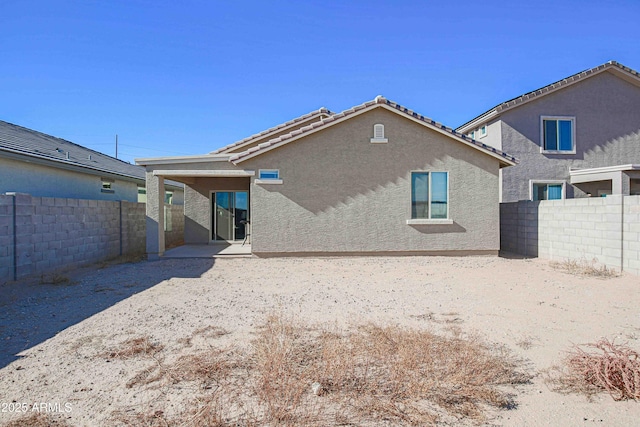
(59, 342)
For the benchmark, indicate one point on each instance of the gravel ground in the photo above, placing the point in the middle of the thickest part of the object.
(53, 337)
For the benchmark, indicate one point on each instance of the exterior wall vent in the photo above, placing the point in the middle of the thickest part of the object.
(378, 134)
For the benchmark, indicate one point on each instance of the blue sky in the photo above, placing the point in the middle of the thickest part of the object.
(188, 77)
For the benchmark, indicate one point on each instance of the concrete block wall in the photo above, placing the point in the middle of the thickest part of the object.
(174, 235)
(7, 210)
(631, 233)
(602, 228)
(43, 234)
(133, 228)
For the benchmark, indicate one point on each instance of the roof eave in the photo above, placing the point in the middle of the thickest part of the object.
(61, 164)
(271, 131)
(614, 67)
(478, 121)
(503, 158)
(150, 161)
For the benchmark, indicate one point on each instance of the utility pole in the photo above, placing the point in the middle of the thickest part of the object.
(116, 145)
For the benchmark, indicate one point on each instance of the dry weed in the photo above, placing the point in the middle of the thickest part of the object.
(55, 279)
(38, 420)
(526, 342)
(134, 347)
(295, 375)
(283, 360)
(208, 368)
(604, 366)
(583, 267)
(378, 373)
(207, 332)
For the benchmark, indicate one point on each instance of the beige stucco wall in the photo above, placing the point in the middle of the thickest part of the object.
(607, 119)
(341, 193)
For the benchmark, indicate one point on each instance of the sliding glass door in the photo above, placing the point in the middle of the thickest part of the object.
(230, 213)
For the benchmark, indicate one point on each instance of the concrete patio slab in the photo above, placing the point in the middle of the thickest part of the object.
(210, 251)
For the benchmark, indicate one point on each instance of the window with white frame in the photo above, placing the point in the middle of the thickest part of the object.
(557, 134)
(472, 134)
(268, 176)
(378, 134)
(429, 195)
(107, 185)
(547, 190)
(142, 194)
(483, 131)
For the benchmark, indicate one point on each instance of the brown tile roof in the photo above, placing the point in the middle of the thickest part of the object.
(551, 88)
(320, 112)
(379, 100)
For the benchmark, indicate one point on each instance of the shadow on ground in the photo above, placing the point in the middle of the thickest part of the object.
(31, 312)
(513, 255)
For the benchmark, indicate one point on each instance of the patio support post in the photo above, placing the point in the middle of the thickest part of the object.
(155, 215)
(621, 184)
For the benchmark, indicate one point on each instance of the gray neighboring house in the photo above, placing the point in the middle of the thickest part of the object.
(45, 166)
(577, 137)
(375, 179)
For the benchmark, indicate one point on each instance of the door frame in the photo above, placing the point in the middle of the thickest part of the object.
(211, 212)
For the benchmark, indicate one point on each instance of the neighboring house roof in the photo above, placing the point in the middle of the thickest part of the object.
(27, 144)
(611, 66)
(322, 112)
(378, 102)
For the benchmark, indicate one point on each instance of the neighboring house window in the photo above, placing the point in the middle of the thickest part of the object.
(168, 197)
(268, 176)
(483, 131)
(142, 194)
(378, 134)
(472, 134)
(558, 134)
(547, 190)
(429, 195)
(107, 185)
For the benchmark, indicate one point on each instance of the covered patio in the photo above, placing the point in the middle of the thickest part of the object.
(217, 214)
(598, 182)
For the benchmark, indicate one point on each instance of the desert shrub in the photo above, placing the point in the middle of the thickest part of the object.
(596, 367)
(584, 267)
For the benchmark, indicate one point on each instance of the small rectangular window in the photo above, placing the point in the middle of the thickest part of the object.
(168, 197)
(429, 195)
(558, 134)
(547, 191)
(483, 131)
(269, 174)
(472, 134)
(107, 186)
(142, 194)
